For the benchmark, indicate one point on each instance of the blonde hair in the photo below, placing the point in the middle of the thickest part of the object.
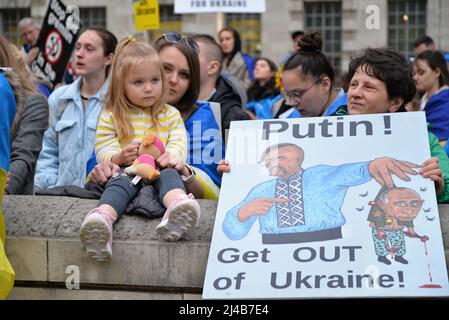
(10, 56)
(130, 52)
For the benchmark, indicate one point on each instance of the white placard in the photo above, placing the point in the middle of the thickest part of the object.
(234, 6)
(331, 235)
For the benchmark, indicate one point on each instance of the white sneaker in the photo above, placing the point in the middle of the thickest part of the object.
(96, 235)
(181, 217)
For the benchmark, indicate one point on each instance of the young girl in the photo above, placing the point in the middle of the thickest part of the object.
(133, 107)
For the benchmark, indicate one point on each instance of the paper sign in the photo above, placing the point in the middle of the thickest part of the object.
(146, 15)
(235, 6)
(322, 211)
(56, 41)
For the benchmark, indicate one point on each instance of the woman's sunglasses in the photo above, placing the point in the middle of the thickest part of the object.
(176, 37)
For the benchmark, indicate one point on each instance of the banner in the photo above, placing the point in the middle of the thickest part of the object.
(231, 6)
(56, 41)
(146, 15)
(329, 208)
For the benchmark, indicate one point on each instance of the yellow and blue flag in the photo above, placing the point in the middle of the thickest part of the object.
(7, 112)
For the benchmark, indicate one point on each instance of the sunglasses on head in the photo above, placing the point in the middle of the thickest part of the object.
(176, 37)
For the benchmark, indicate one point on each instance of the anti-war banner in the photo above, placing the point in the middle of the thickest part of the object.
(56, 41)
(328, 207)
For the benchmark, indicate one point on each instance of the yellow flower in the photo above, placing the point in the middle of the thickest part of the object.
(277, 77)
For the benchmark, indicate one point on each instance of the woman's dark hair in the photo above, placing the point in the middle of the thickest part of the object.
(310, 58)
(435, 60)
(187, 102)
(108, 39)
(388, 66)
(258, 92)
(237, 43)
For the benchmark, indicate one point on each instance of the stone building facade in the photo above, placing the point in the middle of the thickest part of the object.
(346, 25)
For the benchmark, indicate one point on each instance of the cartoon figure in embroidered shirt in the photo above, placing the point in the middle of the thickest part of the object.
(303, 205)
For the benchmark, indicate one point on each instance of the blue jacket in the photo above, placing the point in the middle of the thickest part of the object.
(7, 112)
(69, 141)
(437, 114)
(262, 108)
(205, 142)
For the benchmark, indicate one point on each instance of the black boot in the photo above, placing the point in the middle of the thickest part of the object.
(384, 259)
(400, 259)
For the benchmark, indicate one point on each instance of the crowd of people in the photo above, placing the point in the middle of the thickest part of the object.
(186, 91)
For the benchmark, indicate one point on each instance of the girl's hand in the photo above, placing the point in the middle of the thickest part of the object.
(431, 169)
(127, 156)
(223, 166)
(166, 161)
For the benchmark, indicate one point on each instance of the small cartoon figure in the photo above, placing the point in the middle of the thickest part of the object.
(394, 209)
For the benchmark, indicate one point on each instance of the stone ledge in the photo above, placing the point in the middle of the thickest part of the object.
(42, 241)
(27, 293)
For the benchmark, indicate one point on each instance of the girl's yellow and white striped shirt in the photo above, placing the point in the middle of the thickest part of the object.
(170, 129)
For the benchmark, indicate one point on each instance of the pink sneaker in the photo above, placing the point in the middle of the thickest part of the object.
(96, 234)
(181, 217)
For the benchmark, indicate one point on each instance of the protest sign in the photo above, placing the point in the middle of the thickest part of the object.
(146, 14)
(235, 6)
(329, 207)
(56, 41)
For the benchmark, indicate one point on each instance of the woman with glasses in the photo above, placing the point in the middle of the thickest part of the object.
(179, 56)
(307, 79)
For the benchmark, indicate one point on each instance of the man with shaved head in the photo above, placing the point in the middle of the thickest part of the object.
(216, 88)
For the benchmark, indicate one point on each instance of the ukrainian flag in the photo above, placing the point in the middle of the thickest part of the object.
(7, 111)
(6, 272)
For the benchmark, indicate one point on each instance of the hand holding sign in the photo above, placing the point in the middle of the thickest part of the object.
(56, 41)
(32, 55)
(431, 169)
